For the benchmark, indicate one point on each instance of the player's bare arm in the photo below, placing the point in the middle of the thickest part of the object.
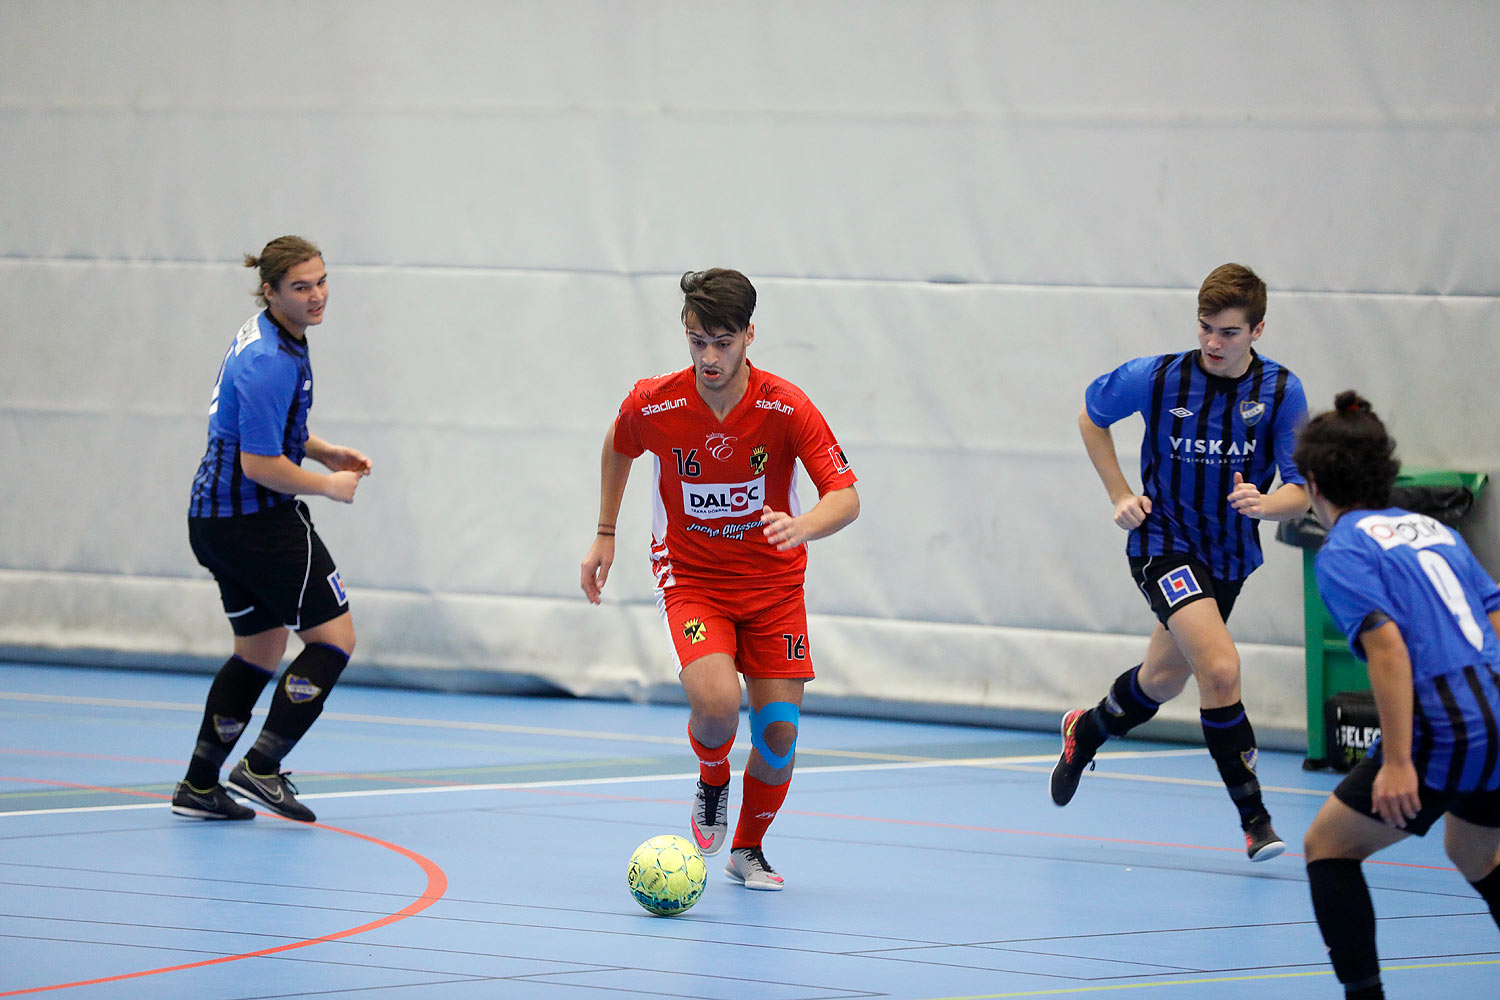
(338, 457)
(1131, 508)
(1288, 501)
(1395, 796)
(282, 475)
(834, 511)
(614, 471)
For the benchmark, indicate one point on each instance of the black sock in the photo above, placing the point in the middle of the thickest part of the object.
(296, 705)
(1489, 890)
(1346, 917)
(1125, 707)
(1231, 742)
(226, 712)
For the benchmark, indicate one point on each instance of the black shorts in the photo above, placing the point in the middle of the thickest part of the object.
(1173, 581)
(271, 567)
(1479, 808)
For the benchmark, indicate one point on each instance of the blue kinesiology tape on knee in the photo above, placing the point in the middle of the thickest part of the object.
(760, 721)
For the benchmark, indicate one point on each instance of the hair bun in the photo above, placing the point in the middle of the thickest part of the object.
(1350, 401)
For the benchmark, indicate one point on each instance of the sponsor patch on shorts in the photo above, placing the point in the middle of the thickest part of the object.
(337, 583)
(1178, 585)
(300, 689)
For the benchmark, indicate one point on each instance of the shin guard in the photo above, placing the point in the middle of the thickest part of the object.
(297, 704)
(226, 712)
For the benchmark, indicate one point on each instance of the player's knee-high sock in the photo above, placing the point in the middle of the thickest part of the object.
(1346, 916)
(759, 808)
(226, 712)
(296, 705)
(1125, 707)
(713, 762)
(1489, 890)
(1231, 741)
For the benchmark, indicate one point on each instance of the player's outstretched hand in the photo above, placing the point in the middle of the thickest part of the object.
(782, 529)
(1132, 511)
(340, 486)
(1247, 498)
(595, 568)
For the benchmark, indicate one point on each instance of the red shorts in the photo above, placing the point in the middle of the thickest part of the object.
(764, 631)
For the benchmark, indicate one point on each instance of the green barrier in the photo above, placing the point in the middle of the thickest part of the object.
(1331, 668)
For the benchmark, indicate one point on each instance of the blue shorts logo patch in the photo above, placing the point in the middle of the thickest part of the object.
(300, 689)
(1178, 585)
(337, 583)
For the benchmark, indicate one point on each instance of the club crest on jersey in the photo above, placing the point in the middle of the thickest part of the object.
(720, 445)
(1251, 410)
(758, 459)
(1178, 585)
(694, 631)
(300, 689)
(227, 729)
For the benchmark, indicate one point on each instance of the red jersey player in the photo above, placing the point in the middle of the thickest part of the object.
(727, 550)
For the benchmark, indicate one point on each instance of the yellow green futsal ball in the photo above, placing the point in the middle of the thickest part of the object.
(667, 875)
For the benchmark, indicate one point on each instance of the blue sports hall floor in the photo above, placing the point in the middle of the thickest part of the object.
(476, 846)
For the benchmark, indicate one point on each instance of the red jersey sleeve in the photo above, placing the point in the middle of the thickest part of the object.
(628, 440)
(819, 452)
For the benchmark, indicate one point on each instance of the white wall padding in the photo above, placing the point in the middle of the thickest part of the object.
(956, 213)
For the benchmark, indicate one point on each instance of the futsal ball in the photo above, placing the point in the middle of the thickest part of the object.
(667, 875)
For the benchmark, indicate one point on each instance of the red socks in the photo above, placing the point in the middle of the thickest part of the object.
(713, 762)
(759, 808)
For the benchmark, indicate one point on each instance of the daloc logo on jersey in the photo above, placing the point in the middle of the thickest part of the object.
(707, 501)
(1178, 585)
(1251, 410)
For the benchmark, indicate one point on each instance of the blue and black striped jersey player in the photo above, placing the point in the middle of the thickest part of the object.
(1422, 613)
(247, 527)
(1221, 422)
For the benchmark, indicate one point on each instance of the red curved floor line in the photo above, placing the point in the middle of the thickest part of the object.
(437, 887)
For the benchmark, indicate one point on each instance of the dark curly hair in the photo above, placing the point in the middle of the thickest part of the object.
(720, 298)
(1349, 454)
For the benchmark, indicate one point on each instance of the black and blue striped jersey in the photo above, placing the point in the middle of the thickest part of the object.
(1423, 576)
(259, 405)
(1200, 430)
